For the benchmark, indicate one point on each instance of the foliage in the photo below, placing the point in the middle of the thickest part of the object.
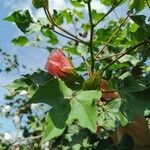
(8, 62)
(76, 115)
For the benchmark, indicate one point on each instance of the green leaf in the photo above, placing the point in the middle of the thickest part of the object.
(97, 16)
(84, 109)
(78, 14)
(58, 18)
(50, 130)
(52, 37)
(130, 84)
(62, 16)
(129, 58)
(135, 96)
(64, 104)
(77, 3)
(21, 83)
(133, 27)
(76, 136)
(57, 95)
(34, 27)
(138, 5)
(40, 77)
(70, 48)
(135, 104)
(67, 15)
(31, 90)
(145, 52)
(140, 34)
(140, 20)
(38, 3)
(102, 34)
(20, 41)
(109, 115)
(113, 106)
(110, 2)
(82, 49)
(22, 19)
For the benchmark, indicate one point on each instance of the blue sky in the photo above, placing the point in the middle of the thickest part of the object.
(32, 58)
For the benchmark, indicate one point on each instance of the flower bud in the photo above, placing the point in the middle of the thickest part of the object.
(58, 65)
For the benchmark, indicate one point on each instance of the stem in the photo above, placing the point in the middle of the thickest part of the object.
(28, 138)
(91, 37)
(87, 64)
(110, 56)
(148, 4)
(65, 36)
(109, 11)
(50, 18)
(51, 21)
(126, 52)
(116, 14)
(116, 31)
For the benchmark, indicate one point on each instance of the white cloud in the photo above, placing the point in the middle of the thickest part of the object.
(58, 4)
(15, 5)
(95, 4)
(54, 4)
(27, 4)
(18, 5)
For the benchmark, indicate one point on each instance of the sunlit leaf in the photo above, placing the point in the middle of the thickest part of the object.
(22, 19)
(20, 41)
(50, 130)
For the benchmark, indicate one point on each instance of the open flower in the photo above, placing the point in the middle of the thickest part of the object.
(58, 65)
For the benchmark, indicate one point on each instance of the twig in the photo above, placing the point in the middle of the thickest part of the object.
(84, 60)
(28, 138)
(126, 52)
(109, 56)
(51, 21)
(111, 37)
(50, 18)
(116, 14)
(65, 36)
(31, 138)
(109, 11)
(91, 36)
(148, 4)
(37, 46)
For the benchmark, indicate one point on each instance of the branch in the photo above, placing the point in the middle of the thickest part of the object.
(68, 37)
(91, 36)
(32, 138)
(126, 52)
(148, 4)
(51, 21)
(116, 31)
(73, 37)
(109, 56)
(109, 11)
(28, 138)
(85, 61)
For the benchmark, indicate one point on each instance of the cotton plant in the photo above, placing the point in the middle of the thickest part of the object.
(100, 101)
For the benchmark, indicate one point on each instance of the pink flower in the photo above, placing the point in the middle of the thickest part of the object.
(58, 65)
